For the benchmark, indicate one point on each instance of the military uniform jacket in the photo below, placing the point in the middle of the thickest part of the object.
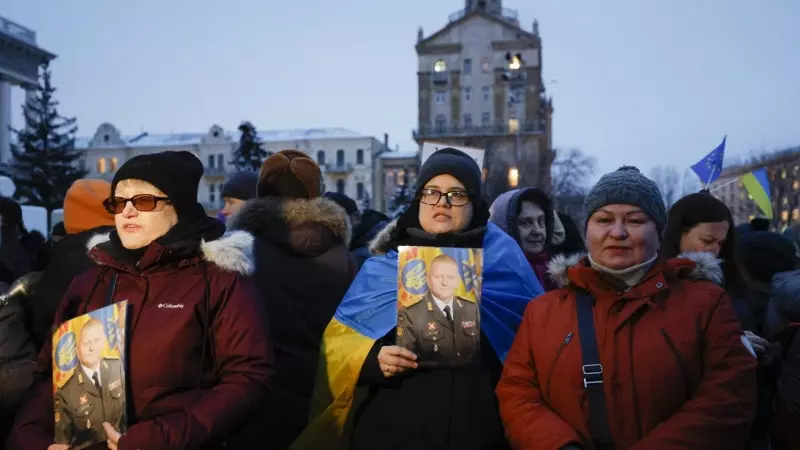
(424, 329)
(80, 409)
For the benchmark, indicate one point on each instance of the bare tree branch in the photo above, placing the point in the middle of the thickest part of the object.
(570, 172)
(668, 181)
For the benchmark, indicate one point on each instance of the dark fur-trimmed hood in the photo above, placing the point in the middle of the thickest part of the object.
(707, 267)
(232, 252)
(265, 215)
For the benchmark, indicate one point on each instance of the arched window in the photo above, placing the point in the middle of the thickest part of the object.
(321, 157)
(340, 186)
(114, 164)
(101, 165)
(359, 156)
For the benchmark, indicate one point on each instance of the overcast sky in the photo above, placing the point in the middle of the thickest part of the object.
(641, 82)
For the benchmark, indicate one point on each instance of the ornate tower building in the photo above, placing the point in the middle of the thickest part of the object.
(480, 85)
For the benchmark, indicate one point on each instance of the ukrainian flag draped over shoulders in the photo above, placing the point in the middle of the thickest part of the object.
(368, 312)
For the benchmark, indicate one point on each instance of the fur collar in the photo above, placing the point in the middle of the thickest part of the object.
(707, 267)
(233, 252)
(264, 213)
(380, 244)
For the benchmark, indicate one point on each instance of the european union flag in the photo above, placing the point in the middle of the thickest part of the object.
(710, 167)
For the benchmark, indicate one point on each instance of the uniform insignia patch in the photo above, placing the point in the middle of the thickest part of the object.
(88, 423)
(84, 399)
(430, 307)
(114, 385)
(431, 326)
(399, 332)
(435, 347)
(468, 324)
(58, 417)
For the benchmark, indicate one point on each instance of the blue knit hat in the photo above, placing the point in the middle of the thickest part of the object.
(627, 186)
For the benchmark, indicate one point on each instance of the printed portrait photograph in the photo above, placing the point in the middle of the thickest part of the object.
(89, 376)
(438, 308)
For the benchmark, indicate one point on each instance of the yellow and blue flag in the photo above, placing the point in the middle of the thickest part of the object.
(757, 185)
(368, 312)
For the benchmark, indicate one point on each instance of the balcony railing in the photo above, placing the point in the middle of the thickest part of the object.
(491, 130)
(339, 168)
(18, 31)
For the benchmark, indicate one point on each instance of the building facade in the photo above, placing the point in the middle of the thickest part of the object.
(396, 169)
(480, 85)
(348, 160)
(783, 171)
(20, 59)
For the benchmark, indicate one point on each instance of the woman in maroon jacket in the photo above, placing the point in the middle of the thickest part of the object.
(198, 358)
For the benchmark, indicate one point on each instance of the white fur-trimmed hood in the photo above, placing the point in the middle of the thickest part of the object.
(232, 252)
(707, 267)
(380, 244)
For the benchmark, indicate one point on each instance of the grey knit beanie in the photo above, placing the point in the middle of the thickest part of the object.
(627, 186)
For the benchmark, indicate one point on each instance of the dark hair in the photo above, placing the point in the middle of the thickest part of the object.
(700, 208)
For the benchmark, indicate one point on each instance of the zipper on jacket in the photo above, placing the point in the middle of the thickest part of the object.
(681, 362)
(564, 343)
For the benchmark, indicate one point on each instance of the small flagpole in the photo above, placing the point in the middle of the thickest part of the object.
(725, 184)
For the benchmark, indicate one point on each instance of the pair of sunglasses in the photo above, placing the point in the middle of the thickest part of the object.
(142, 202)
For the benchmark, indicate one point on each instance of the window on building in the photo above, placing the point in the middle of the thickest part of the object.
(389, 177)
(439, 66)
(441, 123)
(210, 161)
(360, 156)
(114, 164)
(517, 95)
(486, 119)
(401, 175)
(486, 64)
(513, 125)
(467, 66)
(360, 191)
(467, 120)
(467, 94)
(340, 157)
(441, 96)
(221, 161)
(340, 186)
(487, 93)
(321, 157)
(212, 193)
(101, 165)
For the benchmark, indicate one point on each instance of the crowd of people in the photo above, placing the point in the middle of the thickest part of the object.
(275, 324)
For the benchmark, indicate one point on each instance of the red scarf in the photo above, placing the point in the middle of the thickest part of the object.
(538, 263)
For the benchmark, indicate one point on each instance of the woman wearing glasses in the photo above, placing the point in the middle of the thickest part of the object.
(197, 350)
(402, 403)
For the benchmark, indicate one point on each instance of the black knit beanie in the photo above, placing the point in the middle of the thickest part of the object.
(241, 186)
(453, 162)
(175, 173)
(764, 254)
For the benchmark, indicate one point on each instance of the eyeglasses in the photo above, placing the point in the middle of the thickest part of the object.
(142, 202)
(454, 198)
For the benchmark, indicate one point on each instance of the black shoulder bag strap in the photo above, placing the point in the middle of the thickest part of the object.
(593, 373)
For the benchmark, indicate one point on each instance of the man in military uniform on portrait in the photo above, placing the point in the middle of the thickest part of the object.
(94, 393)
(442, 328)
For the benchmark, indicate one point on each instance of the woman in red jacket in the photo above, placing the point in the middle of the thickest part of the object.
(198, 358)
(633, 352)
